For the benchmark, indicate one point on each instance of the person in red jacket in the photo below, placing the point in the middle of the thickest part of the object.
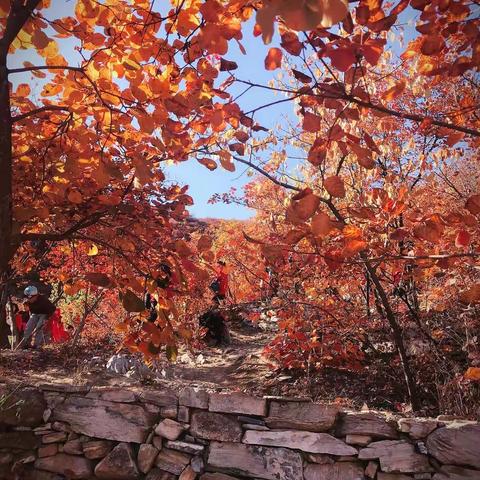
(220, 284)
(41, 308)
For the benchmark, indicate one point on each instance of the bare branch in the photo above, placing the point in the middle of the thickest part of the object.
(46, 108)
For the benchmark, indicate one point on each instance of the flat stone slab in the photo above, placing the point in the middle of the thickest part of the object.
(191, 448)
(162, 398)
(337, 471)
(396, 456)
(313, 417)
(372, 424)
(237, 403)
(193, 397)
(383, 447)
(123, 422)
(456, 444)
(306, 441)
(255, 461)
(215, 426)
(417, 428)
(112, 394)
(172, 461)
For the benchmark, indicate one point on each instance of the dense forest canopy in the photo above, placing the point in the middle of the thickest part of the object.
(367, 196)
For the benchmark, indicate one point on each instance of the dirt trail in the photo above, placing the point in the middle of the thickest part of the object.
(237, 366)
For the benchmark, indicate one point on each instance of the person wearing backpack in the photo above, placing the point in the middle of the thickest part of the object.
(40, 308)
(220, 285)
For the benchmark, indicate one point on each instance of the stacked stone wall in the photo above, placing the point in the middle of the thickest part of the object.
(55, 432)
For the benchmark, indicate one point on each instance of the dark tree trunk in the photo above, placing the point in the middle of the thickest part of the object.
(20, 12)
(6, 244)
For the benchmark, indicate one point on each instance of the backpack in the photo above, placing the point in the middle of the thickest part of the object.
(215, 286)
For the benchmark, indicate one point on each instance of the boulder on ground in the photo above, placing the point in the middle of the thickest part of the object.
(22, 406)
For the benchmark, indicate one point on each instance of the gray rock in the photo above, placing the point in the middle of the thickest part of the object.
(71, 466)
(417, 428)
(162, 398)
(254, 461)
(172, 461)
(337, 471)
(112, 394)
(197, 464)
(360, 440)
(47, 450)
(183, 414)
(371, 469)
(119, 464)
(369, 423)
(73, 447)
(383, 447)
(147, 454)
(170, 411)
(313, 417)
(96, 448)
(193, 397)
(169, 429)
(237, 403)
(396, 456)
(188, 474)
(320, 458)
(54, 437)
(215, 426)
(450, 472)
(106, 420)
(157, 474)
(158, 442)
(456, 444)
(258, 428)
(191, 448)
(306, 441)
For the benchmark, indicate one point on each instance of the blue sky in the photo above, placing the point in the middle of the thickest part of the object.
(202, 182)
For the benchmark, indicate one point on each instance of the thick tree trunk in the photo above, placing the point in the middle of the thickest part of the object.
(6, 244)
(20, 12)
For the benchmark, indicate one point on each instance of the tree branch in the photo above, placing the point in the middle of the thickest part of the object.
(265, 174)
(46, 108)
(55, 237)
(34, 68)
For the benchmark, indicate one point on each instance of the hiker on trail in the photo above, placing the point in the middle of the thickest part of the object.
(216, 329)
(21, 320)
(220, 285)
(164, 281)
(40, 308)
